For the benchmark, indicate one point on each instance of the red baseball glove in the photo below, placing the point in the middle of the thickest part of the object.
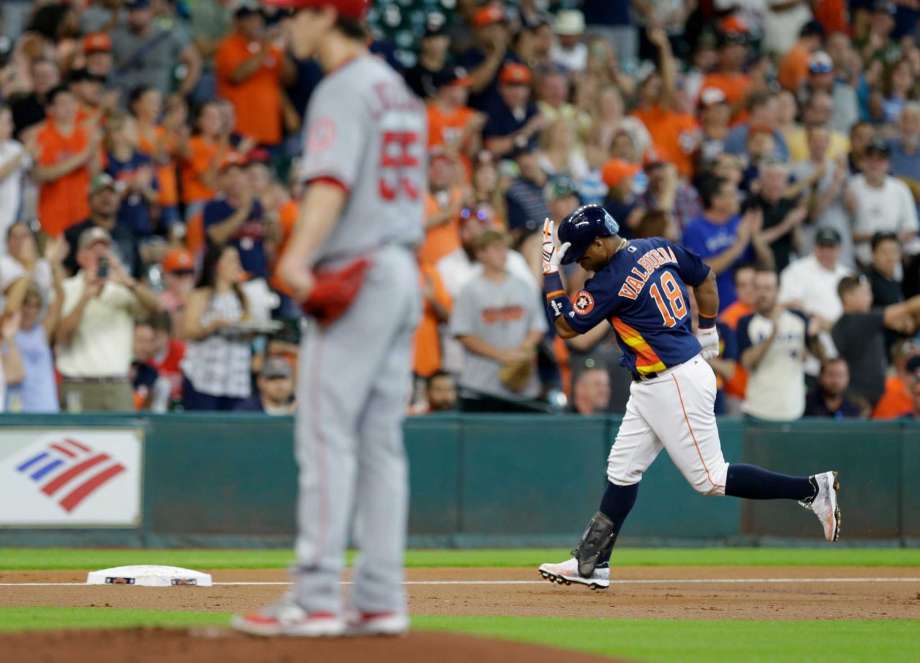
(335, 290)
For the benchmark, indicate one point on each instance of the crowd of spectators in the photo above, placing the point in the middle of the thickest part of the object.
(149, 157)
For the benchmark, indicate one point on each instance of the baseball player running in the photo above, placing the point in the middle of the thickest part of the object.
(351, 262)
(641, 288)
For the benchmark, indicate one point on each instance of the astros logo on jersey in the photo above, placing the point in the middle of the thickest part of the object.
(584, 302)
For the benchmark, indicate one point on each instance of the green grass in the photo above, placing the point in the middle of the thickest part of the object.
(640, 639)
(209, 560)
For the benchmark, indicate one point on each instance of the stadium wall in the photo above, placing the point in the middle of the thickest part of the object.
(512, 480)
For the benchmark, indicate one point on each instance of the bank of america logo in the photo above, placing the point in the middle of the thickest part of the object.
(69, 471)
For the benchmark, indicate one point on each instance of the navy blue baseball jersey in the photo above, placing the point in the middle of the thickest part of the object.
(642, 293)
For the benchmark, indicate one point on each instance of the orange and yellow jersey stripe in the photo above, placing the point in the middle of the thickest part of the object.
(647, 360)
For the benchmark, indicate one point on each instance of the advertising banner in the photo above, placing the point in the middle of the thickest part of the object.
(52, 478)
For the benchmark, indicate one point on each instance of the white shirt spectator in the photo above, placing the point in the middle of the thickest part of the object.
(889, 208)
(102, 345)
(456, 269)
(776, 387)
(573, 59)
(11, 186)
(811, 287)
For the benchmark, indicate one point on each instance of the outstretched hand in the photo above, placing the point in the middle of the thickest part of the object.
(552, 254)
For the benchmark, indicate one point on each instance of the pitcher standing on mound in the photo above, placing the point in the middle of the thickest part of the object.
(351, 263)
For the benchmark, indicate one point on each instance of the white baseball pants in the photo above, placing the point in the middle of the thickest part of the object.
(673, 411)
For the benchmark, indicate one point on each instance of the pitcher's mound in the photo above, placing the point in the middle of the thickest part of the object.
(222, 646)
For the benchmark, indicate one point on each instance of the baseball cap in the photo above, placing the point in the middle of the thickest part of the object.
(232, 159)
(820, 63)
(275, 367)
(488, 15)
(97, 42)
(92, 236)
(178, 260)
(827, 237)
(879, 146)
(137, 4)
(616, 170)
(514, 73)
(353, 9)
(102, 181)
(561, 186)
(712, 96)
(569, 22)
(452, 76)
(537, 20)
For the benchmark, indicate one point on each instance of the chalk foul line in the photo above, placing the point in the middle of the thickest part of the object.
(615, 581)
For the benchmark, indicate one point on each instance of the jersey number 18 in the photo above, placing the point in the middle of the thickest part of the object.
(671, 306)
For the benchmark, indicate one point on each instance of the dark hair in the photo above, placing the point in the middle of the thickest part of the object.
(199, 111)
(351, 28)
(208, 277)
(160, 321)
(136, 93)
(710, 187)
(54, 92)
(812, 29)
(860, 124)
(833, 360)
(848, 284)
(654, 223)
(880, 237)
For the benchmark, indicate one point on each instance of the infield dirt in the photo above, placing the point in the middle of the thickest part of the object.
(642, 592)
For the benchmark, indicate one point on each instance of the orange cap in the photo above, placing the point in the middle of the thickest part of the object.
(616, 170)
(178, 260)
(97, 42)
(488, 15)
(733, 25)
(514, 73)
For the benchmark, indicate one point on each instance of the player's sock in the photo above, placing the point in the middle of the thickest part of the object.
(616, 504)
(756, 483)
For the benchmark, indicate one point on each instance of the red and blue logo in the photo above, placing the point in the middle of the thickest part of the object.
(69, 471)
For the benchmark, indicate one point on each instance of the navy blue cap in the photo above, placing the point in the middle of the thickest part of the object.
(582, 227)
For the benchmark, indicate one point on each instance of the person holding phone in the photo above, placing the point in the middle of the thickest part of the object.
(95, 335)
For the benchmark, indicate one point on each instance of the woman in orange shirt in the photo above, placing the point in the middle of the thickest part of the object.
(161, 144)
(201, 159)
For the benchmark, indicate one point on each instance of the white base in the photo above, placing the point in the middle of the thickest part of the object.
(148, 575)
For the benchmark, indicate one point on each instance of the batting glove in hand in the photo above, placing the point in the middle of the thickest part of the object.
(552, 254)
(709, 339)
